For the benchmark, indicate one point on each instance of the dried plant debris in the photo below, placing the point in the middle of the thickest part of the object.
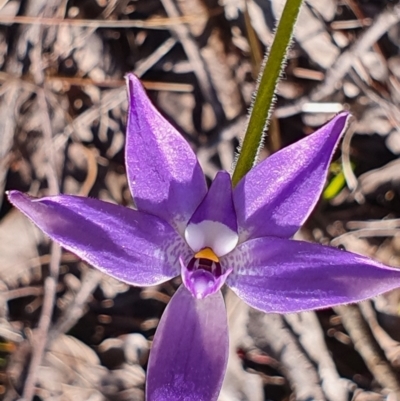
(70, 370)
(19, 260)
(62, 129)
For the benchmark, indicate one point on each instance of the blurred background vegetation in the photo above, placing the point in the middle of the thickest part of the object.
(69, 333)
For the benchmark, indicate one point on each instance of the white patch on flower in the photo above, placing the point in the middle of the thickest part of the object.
(211, 234)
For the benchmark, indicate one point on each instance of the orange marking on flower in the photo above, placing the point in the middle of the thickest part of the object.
(207, 253)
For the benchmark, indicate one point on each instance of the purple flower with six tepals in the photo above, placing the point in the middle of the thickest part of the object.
(222, 235)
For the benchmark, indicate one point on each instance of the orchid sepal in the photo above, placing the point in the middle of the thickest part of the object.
(277, 275)
(278, 194)
(129, 245)
(164, 175)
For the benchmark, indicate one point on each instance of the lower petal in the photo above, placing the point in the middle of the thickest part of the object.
(284, 276)
(190, 350)
(135, 247)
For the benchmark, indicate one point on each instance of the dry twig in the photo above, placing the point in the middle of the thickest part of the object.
(367, 347)
(344, 63)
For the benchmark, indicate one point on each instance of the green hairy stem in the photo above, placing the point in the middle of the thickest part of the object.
(261, 109)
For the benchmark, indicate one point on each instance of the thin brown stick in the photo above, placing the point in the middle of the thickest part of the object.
(196, 60)
(50, 285)
(153, 23)
(115, 97)
(74, 312)
(345, 61)
(390, 347)
(272, 335)
(91, 172)
(311, 337)
(367, 347)
(364, 233)
(349, 175)
(374, 224)
(22, 292)
(7, 128)
(40, 337)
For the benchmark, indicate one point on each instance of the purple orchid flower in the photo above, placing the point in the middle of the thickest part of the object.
(222, 235)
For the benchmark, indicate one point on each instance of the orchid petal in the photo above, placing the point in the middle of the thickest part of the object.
(202, 283)
(190, 349)
(214, 224)
(134, 247)
(284, 276)
(164, 175)
(277, 195)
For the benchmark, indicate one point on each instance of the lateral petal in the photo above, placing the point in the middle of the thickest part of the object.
(190, 349)
(134, 247)
(164, 175)
(278, 194)
(284, 276)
